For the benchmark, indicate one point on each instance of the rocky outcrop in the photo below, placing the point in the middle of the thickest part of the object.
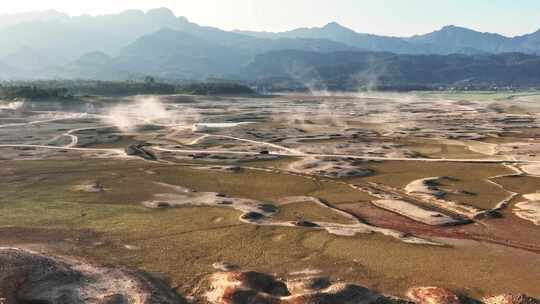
(30, 277)
(511, 299)
(254, 287)
(432, 295)
(138, 149)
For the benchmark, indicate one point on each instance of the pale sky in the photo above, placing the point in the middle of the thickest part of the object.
(387, 17)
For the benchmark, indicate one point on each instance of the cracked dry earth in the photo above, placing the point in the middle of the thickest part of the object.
(384, 196)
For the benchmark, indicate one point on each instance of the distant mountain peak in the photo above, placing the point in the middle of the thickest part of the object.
(54, 14)
(95, 57)
(164, 31)
(461, 29)
(131, 12)
(24, 48)
(96, 54)
(161, 12)
(454, 28)
(335, 26)
(24, 51)
(450, 26)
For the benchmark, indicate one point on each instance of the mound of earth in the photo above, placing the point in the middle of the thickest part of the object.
(302, 285)
(93, 187)
(138, 149)
(429, 186)
(254, 287)
(30, 277)
(252, 211)
(529, 210)
(225, 266)
(417, 213)
(333, 168)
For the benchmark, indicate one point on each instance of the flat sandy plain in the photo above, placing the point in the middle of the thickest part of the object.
(385, 192)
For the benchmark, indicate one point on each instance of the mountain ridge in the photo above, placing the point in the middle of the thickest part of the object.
(134, 43)
(446, 40)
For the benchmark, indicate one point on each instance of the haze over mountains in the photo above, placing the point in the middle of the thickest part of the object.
(448, 40)
(133, 44)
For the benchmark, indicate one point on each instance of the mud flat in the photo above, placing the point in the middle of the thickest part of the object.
(520, 150)
(305, 209)
(427, 189)
(260, 213)
(529, 210)
(533, 169)
(31, 277)
(482, 147)
(532, 196)
(417, 213)
(248, 208)
(252, 211)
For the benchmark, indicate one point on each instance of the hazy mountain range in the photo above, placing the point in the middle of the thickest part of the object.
(133, 44)
(448, 40)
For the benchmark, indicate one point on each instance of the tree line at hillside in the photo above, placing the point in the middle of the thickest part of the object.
(353, 71)
(32, 93)
(62, 90)
(214, 88)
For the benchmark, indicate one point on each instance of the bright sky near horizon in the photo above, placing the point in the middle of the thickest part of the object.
(387, 17)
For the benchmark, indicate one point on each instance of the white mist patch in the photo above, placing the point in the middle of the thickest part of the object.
(327, 113)
(309, 77)
(199, 127)
(59, 115)
(149, 110)
(47, 117)
(14, 105)
(127, 116)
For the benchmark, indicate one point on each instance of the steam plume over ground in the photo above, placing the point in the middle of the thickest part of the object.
(147, 110)
(15, 105)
